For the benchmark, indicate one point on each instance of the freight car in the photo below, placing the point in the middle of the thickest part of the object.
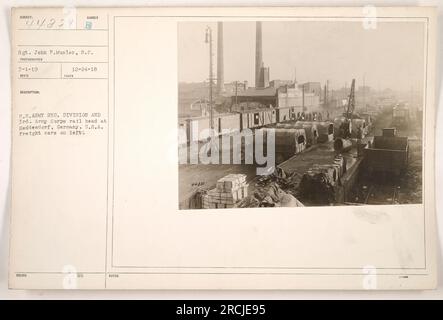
(400, 116)
(198, 128)
(257, 118)
(288, 142)
(325, 131)
(387, 153)
(311, 131)
(339, 124)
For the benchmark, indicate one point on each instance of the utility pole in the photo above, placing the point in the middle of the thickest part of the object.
(236, 95)
(287, 97)
(208, 39)
(364, 93)
(303, 97)
(327, 91)
(325, 96)
(220, 67)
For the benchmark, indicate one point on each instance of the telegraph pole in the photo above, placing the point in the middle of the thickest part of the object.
(236, 95)
(364, 93)
(208, 39)
(303, 96)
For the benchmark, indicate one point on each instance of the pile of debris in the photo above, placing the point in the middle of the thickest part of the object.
(270, 191)
(274, 196)
(317, 187)
(229, 191)
(317, 184)
(281, 178)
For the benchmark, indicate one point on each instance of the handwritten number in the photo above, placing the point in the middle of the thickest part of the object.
(51, 23)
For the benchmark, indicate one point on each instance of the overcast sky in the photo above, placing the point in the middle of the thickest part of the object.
(391, 56)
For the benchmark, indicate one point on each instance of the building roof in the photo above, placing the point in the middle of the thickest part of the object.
(255, 110)
(258, 92)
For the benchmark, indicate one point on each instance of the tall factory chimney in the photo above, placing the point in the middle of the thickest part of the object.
(220, 71)
(258, 55)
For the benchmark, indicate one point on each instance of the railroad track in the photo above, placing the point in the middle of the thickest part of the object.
(381, 194)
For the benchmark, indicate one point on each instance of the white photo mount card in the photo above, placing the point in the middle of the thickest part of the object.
(223, 148)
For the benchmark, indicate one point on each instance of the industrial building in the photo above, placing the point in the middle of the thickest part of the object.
(232, 88)
(277, 83)
(298, 98)
(312, 87)
(267, 97)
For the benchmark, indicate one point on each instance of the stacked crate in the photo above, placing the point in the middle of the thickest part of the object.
(229, 191)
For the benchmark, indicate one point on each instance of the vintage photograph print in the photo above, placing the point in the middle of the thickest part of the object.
(281, 113)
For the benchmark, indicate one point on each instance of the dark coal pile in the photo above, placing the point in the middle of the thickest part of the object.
(317, 188)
